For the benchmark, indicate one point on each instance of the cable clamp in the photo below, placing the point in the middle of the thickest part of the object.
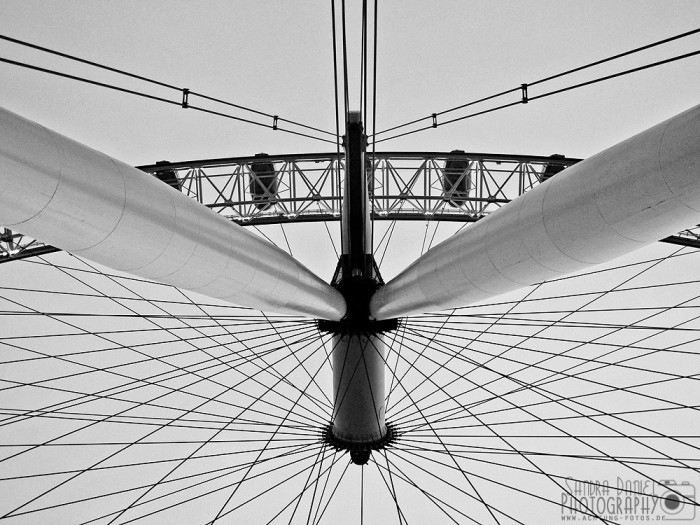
(275, 118)
(523, 89)
(185, 95)
(435, 122)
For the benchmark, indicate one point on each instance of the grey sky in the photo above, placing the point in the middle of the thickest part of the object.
(276, 57)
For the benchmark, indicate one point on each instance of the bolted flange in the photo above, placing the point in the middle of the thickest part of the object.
(360, 452)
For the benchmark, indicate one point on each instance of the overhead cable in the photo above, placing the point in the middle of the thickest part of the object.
(337, 103)
(345, 62)
(74, 58)
(374, 101)
(434, 116)
(363, 68)
(84, 61)
(374, 81)
(527, 98)
(335, 79)
(619, 55)
(184, 103)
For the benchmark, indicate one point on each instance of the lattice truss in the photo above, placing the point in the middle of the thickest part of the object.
(406, 185)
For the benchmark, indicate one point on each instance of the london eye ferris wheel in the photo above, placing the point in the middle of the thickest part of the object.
(397, 326)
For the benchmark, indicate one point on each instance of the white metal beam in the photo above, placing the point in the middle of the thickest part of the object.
(87, 203)
(630, 195)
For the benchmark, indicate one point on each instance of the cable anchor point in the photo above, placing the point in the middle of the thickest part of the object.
(185, 96)
(523, 89)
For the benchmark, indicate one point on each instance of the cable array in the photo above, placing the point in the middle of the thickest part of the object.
(364, 71)
(346, 89)
(364, 61)
(551, 356)
(185, 92)
(365, 67)
(523, 88)
(374, 97)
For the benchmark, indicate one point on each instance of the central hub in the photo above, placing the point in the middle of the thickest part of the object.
(358, 355)
(357, 292)
(360, 453)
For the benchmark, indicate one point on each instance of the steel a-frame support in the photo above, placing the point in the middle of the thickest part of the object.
(358, 355)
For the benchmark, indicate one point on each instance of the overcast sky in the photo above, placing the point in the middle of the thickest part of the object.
(276, 57)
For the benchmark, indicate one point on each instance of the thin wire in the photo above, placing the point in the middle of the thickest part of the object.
(374, 81)
(12, 512)
(153, 97)
(486, 425)
(345, 63)
(280, 119)
(286, 240)
(87, 81)
(337, 104)
(316, 481)
(335, 81)
(546, 79)
(227, 472)
(550, 93)
(155, 82)
(306, 485)
(227, 115)
(362, 494)
(615, 75)
(615, 57)
(547, 421)
(89, 62)
(429, 117)
(374, 110)
(497, 108)
(571, 349)
(363, 69)
(431, 497)
(478, 497)
(289, 412)
(323, 491)
(330, 498)
(325, 223)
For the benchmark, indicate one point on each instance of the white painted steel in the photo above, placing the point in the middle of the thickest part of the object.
(632, 194)
(358, 387)
(87, 203)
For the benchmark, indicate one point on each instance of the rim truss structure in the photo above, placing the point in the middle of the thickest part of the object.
(405, 185)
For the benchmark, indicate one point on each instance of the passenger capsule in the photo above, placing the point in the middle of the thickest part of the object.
(263, 182)
(456, 180)
(168, 176)
(552, 168)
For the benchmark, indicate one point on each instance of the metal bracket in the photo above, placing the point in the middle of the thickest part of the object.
(185, 95)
